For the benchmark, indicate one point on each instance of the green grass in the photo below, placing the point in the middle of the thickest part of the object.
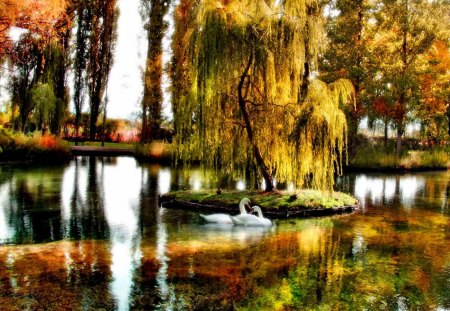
(311, 199)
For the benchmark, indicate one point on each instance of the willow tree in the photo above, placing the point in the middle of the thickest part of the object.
(252, 100)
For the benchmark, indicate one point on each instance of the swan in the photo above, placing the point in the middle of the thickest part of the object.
(266, 221)
(225, 218)
(252, 220)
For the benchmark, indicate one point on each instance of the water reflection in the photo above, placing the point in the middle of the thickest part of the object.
(409, 191)
(165, 289)
(122, 214)
(112, 247)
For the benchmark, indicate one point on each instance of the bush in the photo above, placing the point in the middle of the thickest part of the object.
(34, 147)
(157, 150)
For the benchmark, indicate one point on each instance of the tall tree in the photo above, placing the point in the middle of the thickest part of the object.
(154, 11)
(407, 31)
(252, 100)
(83, 18)
(102, 39)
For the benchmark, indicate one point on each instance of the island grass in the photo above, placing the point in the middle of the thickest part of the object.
(309, 199)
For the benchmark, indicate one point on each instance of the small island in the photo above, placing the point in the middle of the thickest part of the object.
(275, 204)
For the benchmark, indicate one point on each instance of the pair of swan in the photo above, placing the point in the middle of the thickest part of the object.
(243, 219)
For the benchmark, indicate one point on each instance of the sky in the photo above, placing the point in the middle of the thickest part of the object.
(125, 87)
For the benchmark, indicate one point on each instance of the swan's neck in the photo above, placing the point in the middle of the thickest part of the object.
(242, 208)
(260, 214)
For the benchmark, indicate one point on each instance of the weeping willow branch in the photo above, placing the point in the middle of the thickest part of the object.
(266, 46)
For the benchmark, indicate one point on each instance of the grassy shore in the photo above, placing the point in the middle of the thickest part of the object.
(413, 160)
(106, 144)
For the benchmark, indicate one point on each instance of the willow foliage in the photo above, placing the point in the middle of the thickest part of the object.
(247, 63)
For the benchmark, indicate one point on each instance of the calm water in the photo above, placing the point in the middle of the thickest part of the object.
(90, 235)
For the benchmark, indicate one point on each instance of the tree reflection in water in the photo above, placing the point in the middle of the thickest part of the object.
(112, 247)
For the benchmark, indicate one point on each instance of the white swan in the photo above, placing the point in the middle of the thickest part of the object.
(252, 220)
(225, 218)
(266, 221)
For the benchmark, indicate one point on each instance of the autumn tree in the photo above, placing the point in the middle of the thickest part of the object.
(252, 100)
(407, 30)
(38, 60)
(154, 12)
(434, 85)
(39, 17)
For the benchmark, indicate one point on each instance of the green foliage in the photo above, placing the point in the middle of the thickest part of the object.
(44, 101)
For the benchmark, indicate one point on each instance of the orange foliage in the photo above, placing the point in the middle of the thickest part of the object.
(40, 17)
(435, 81)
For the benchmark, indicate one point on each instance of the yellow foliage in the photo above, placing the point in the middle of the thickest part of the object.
(300, 139)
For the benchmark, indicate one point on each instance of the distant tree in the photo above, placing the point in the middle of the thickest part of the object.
(154, 12)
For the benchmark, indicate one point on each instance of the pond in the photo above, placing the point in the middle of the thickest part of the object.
(90, 235)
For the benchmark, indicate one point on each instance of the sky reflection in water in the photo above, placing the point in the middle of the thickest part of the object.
(91, 235)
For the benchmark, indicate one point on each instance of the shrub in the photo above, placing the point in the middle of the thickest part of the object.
(34, 147)
(157, 150)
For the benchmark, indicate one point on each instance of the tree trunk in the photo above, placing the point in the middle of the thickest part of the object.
(386, 128)
(402, 99)
(399, 142)
(268, 180)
